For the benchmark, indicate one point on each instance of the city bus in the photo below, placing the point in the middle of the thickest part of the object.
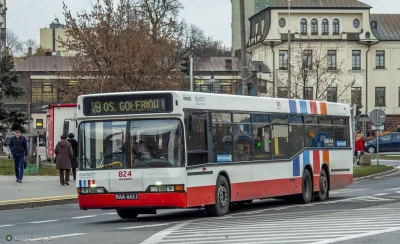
(144, 151)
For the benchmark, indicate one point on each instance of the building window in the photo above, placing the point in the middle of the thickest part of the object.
(282, 92)
(336, 27)
(325, 27)
(282, 22)
(356, 23)
(380, 96)
(332, 59)
(43, 92)
(331, 94)
(308, 93)
(314, 27)
(356, 59)
(307, 59)
(373, 24)
(283, 59)
(356, 95)
(380, 59)
(367, 34)
(39, 123)
(303, 27)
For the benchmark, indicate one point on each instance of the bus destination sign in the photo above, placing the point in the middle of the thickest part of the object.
(127, 104)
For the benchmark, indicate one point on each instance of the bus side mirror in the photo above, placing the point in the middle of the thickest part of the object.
(193, 123)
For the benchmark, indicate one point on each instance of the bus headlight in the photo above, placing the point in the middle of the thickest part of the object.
(167, 188)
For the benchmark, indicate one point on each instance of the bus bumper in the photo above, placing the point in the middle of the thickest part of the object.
(152, 200)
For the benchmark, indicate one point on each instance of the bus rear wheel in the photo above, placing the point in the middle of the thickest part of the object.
(307, 188)
(127, 213)
(323, 186)
(222, 198)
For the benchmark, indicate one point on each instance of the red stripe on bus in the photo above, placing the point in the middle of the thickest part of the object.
(313, 107)
(316, 162)
(341, 181)
(202, 195)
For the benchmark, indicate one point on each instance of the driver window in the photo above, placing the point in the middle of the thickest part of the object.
(386, 137)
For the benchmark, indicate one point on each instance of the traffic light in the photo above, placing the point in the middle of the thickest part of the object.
(358, 110)
(185, 65)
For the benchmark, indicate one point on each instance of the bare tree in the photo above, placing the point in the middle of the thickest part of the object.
(128, 46)
(13, 42)
(315, 69)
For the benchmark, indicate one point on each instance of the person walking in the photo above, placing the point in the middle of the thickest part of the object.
(74, 160)
(64, 155)
(359, 147)
(19, 150)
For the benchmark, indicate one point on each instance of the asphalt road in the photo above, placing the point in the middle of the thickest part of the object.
(365, 212)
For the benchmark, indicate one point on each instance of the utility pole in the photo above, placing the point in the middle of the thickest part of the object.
(289, 84)
(243, 50)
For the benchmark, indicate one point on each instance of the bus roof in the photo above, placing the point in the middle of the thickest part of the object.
(212, 101)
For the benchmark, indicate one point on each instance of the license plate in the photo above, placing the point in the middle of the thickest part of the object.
(126, 196)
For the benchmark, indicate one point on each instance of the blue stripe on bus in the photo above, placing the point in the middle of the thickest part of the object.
(296, 166)
(80, 183)
(306, 158)
(84, 183)
(292, 106)
(303, 107)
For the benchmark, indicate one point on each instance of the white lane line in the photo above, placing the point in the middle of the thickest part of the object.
(381, 194)
(143, 226)
(44, 221)
(84, 217)
(346, 238)
(6, 226)
(49, 238)
(397, 191)
(159, 236)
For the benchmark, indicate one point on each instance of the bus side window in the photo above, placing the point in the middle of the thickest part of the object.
(66, 128)
(196, 139)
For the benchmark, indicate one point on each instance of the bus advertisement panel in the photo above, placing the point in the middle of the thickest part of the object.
(143, 151)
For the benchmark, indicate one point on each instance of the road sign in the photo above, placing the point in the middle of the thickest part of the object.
(381, 127)
(378, 117)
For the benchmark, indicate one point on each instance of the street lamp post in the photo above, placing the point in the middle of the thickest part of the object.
(289, 55)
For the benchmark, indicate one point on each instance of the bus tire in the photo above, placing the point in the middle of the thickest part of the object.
(222, 198)
(307, 188)
(127, 213)
(323, 186)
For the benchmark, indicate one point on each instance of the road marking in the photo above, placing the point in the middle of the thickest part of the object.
(381, 194)
(84, 217)
(143, 226)
(156, 238)
(55, 237)
(43, 221)
(6, 226)
(346, 238)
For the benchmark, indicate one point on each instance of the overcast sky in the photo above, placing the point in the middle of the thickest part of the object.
(26, 17)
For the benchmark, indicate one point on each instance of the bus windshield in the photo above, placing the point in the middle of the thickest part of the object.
(146, 143)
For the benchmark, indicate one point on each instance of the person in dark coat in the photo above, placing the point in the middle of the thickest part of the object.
(74, 160)
(64, 155)
(19, 151)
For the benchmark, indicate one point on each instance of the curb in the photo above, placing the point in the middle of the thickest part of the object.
(38, 202)
(375, 175)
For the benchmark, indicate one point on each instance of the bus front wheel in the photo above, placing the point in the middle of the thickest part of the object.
(222, 198)
(127, 213)
(307, 187)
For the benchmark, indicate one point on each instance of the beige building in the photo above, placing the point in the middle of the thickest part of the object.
(251, 7)
(49, 39)
(340, 52)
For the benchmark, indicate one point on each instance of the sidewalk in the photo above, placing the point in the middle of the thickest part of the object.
(35, 191)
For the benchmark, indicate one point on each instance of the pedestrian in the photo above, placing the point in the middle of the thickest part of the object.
(19, 150)
(64, 155)
(359, 147)
(74, 160)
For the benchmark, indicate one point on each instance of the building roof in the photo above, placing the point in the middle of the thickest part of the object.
(320, 4)
(219, 64)
(44, 64)
(387, 28)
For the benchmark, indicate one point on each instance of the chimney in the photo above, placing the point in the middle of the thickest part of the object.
(228, 63)
(48, 54)
(29, 51)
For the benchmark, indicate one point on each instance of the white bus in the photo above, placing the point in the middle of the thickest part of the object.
(143, 151)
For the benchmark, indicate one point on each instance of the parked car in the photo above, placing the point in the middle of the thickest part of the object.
(387, 143)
